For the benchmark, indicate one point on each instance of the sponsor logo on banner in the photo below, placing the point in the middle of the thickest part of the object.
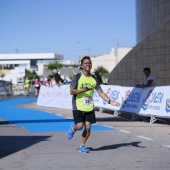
(96, 96)
(131, 99)
(153, 100)
(146, 101)
(167, 105)
(112, 94)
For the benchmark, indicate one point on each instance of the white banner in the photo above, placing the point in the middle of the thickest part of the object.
(145, 101)
(55, 97)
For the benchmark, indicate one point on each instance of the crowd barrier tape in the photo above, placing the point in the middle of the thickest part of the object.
(145, 101)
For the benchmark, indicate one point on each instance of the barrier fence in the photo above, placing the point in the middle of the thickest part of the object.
(7, 89)
(151, 101)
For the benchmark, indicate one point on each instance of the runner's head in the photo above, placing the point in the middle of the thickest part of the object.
(86, 64)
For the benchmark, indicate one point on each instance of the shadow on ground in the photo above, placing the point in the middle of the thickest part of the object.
(34, 121)
(12, 144)
(115, 146)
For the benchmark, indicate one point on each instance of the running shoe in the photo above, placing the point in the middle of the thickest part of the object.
(70, 133)
(83, 149)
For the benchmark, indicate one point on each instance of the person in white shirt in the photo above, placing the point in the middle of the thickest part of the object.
(149, 80)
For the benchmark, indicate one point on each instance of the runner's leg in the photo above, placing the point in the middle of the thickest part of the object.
(86, 132)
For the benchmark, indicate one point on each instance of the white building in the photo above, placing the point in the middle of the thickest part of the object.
(109, 61)
(14, 65)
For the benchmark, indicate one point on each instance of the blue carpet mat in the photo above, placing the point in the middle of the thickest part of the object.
(34, 120)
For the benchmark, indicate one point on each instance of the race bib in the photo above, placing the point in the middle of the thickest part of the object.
(87, 100)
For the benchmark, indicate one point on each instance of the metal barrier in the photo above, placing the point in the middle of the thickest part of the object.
(18, 90)
(3, 93)
(5, 89)
(32, 90)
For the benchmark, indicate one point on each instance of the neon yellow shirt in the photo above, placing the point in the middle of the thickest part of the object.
(84, 101)
(27, 83)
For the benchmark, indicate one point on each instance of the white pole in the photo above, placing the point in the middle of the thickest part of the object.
(116, 48)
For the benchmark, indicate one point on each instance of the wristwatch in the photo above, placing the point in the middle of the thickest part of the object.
(109, 101)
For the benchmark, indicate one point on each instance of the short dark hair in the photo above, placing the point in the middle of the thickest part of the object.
(85, 57)
(51, 76)
(147, 69)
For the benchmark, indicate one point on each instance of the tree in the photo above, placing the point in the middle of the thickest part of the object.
(102, 71)
(2, 75)
(32, 75)
(54, 66)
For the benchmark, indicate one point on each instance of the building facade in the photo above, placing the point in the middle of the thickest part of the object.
(14, 65)
(152, 49)
(108, 61)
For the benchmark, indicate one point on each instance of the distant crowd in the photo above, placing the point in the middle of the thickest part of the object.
(57, 80)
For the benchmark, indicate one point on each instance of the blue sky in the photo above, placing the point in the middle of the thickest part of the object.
(67, 27)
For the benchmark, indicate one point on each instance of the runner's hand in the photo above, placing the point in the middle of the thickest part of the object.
(114, 103)
(88, 88)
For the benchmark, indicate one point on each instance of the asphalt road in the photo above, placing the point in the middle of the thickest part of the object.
(133, 145)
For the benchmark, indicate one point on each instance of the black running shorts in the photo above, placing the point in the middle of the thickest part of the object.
(81, 116)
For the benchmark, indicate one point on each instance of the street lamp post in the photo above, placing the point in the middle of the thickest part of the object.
(116, 47)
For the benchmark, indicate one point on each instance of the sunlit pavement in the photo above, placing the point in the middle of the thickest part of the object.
(119, 144)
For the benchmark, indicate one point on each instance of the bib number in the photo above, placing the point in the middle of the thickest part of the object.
(87, 100)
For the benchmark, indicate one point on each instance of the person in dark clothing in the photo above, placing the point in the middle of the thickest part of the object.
(98, 77)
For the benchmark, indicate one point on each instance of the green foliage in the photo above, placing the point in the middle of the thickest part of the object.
(70, 76)
(2, 75)
(54, 65)
(102, 71)
(32, 75)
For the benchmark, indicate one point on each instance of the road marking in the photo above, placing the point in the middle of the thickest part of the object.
(124, 131)
(143, 137)
(58, 114)
(168, 146)
(95, 124)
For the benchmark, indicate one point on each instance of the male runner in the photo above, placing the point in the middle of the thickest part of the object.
(82, 88)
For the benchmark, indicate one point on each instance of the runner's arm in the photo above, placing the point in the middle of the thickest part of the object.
(148, 84)
(105, 97)
(74, 91)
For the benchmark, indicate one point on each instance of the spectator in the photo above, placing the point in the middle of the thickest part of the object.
(58, 79)
(45, 83)
(49, 82)
(65, 80)
(37, 85)
(53, 82)
(27, 85)
(149, 80)
(98, 77)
